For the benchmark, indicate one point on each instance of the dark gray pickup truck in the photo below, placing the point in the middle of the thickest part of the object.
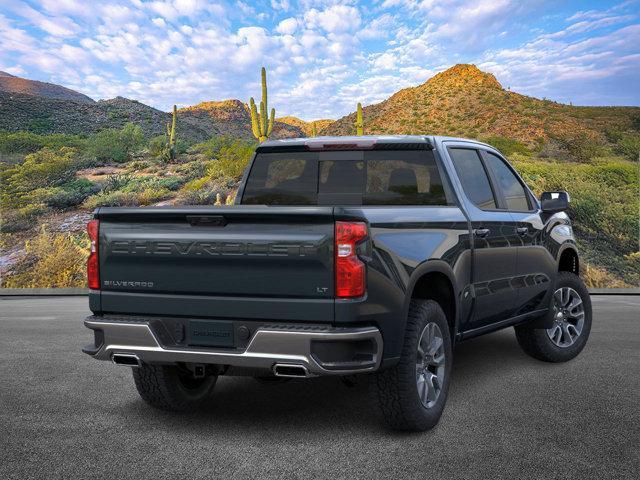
(342, 256)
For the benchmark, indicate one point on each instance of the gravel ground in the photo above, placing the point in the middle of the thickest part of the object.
(64, 415)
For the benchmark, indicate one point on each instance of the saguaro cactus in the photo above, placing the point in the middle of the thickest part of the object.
(314, 131)
(171, 135)
(261, 125)
(359, 125)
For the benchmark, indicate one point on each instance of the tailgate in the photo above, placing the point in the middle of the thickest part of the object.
(218, 261)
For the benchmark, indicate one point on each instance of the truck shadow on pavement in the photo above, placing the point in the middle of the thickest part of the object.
(327, 403)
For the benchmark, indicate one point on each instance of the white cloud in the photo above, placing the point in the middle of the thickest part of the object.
(159, 22)
(15, 70)
(287, 26)
(379, 27)
(280, 5)
(335, 19)
(386, 61)
(56, 26)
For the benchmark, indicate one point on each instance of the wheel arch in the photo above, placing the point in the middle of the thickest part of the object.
(568, 259)
(435, 280)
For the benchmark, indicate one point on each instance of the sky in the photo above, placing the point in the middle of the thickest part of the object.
(322, 56)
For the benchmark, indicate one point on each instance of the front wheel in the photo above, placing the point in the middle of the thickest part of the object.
(569, 333)
(413, 393)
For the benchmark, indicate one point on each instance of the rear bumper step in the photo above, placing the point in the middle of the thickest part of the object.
(287, 351)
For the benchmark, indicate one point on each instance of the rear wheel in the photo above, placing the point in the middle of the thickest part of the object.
(172, 387)
(567, 337)
(413, 393)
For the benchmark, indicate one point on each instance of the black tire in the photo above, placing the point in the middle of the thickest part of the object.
(537, 343)
(396, 387)
(172, 388)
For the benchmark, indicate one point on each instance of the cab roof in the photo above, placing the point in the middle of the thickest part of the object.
(359, 142)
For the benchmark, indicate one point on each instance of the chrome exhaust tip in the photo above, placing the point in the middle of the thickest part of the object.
(290, 370)
(126, 359)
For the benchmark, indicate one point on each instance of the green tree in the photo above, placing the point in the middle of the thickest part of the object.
(116, 145)
(45, 168)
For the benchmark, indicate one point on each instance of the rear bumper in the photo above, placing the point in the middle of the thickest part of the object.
(320, 350)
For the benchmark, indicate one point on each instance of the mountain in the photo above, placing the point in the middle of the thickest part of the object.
(464, 101)
(231, 117)
(304, 126)
(16, 85)
(19, 111)
(47, 108)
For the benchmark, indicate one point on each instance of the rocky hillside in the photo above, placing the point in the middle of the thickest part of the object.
(46, 108)
(304, 126)
(12, 84)
(20, 111)
(231, 117)
(464, 101)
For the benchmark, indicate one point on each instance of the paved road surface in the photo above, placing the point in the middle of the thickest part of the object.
(63, 415)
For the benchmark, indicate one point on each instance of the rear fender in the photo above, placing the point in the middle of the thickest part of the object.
(431, 266)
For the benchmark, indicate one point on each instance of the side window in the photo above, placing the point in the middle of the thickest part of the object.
(473, 177)
(513, 191)
(403, 178)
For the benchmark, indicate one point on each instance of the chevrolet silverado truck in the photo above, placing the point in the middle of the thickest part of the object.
(342, 255)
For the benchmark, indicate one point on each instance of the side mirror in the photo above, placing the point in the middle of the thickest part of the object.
(552, 202)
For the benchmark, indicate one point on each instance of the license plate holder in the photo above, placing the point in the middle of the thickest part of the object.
(211, 333)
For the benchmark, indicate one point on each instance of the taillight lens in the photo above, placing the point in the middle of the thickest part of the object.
(93, 264)
(350, 271)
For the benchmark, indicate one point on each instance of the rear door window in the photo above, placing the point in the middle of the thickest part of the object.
(473, 177)
(403, 178)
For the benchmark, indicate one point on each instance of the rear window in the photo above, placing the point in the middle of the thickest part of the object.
(383, 177)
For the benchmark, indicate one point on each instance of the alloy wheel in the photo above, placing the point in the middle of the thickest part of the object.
(430, 365)
(568, 315)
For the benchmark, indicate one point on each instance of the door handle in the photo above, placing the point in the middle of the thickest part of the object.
(481, 232)
(522, 230)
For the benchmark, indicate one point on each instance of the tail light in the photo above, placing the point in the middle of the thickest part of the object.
(93, 264)
(350, 271)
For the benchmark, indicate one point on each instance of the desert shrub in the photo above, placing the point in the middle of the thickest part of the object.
(629, 146)
(44, 169)
(233, 160)
(116, 145)
(40, 125)
(171, 183)
(595, 277)
(116, 182)
(68, 195)
(581, 146)
(158, 145)
(19, 219)
(51, 261)
(127, 198)
(203, 196)
(205, 191)
(230, 155)
(137, 165)
(28, 142)
(507, 146)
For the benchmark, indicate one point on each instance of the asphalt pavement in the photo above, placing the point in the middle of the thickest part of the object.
(64, 415)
